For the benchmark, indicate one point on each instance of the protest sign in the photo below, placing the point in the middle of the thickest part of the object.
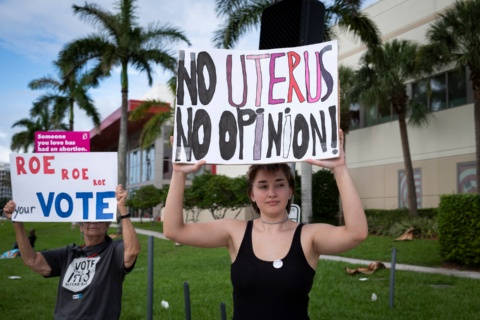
(62, 141)
(262, 106)
(65, 187)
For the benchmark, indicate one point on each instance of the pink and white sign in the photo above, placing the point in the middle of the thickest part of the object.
(62, 141)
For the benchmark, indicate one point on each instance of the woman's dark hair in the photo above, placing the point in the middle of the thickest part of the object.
(271, 167)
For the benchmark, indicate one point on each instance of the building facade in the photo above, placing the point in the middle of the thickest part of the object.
(5, 184)
(145, 166)
(442, 151)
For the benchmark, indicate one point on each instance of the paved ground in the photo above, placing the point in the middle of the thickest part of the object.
(407, 267)
(404, 267)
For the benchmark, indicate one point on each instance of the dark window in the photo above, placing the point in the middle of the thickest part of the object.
(384, 112)
(438, 92)
(148, 163)
(457, 88)
(134, 167)
(371, 115)
(354, 116)
(419, 92)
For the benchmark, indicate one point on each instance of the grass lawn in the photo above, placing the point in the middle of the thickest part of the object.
(421, 252)
(335, 295)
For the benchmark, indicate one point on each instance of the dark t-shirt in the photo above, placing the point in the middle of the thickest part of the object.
(271, 290)
(91, 278)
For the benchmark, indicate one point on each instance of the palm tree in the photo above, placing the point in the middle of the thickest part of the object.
(240, 16)
(453, 41)
(153, 128)
(346, 80)
(379, 83)
(121, 42)
(69, 91)
(42, 118)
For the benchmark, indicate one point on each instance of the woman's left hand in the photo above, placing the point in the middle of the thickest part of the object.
(121, 195)
(333, 162)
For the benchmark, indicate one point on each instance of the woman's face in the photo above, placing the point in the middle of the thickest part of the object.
(271, 191)
(94, 229)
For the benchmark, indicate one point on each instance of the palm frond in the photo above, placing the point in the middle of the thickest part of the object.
(153, 128)
(143, 109)
(245, 17)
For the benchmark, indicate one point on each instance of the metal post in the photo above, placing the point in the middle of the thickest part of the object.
(150, 279)
(293, 168)
(223, 313)
(186, 295)
(392, 276)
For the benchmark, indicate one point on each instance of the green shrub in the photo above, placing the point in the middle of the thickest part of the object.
(428, 212)
(325, 197)
(395, 222)
(459, 227)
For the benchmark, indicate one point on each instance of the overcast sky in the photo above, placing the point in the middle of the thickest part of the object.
(32, 32)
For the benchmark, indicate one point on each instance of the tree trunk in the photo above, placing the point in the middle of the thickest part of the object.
(122, 137)
(122, 141)
(71, 115)
(341, 220)
(412, 194)
(306, 192)
(475, 77)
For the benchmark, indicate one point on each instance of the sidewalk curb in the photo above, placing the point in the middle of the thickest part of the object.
(407, 267)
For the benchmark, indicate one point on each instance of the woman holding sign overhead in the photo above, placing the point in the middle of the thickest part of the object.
(91, 275)
(273, 258)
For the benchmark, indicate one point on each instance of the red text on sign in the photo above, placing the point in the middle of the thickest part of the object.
(35, 165)
(75, 174)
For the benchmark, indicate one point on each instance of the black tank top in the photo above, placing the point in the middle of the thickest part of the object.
(262, 291)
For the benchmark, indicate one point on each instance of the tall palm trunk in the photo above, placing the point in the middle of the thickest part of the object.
(477, 138)
(122, 140)
(123, 134)
(412, 195)
(71, 115)
(475, 78)
(123, 137)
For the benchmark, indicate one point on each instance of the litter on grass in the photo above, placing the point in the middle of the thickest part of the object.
(372, 267)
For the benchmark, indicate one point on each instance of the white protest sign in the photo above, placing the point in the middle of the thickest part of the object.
(262, 106)
(64, 187)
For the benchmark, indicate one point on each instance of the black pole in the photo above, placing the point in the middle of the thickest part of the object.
(292, 23)
(150, 279)
(223, 313)
(392, 276)
(186, 295)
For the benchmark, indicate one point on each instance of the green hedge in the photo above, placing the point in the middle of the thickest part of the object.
(396, 221)
(459, 228)
(325, 197)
